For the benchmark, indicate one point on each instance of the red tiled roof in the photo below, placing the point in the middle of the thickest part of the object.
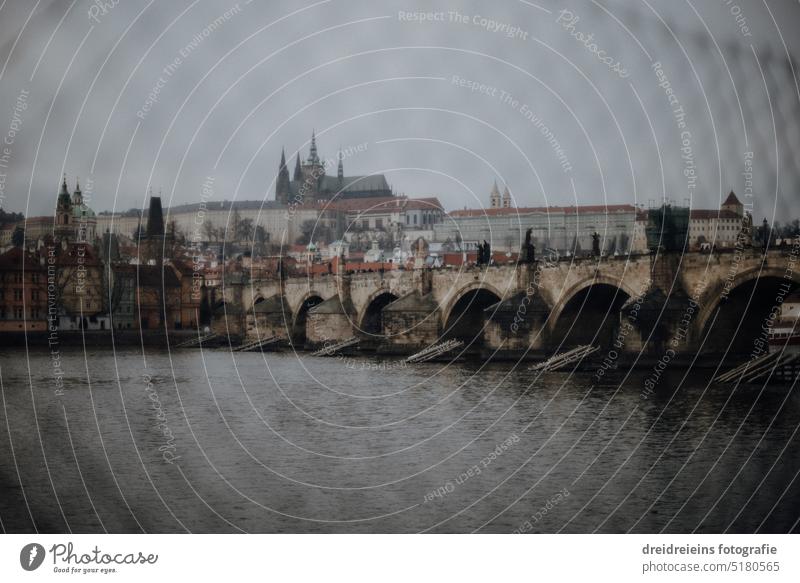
(569, 210)
(378, 210)
(705, 215)
(360, 204)
(731, 200)
(70, 256)
(12, 260)
(424, 204)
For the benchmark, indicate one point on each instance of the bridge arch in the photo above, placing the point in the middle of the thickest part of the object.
(300, 317)
(588, 312)
(369, 321)
(744, 304)
(464, 316)
(570, 294)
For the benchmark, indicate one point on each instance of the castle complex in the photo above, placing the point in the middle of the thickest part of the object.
(311, 184)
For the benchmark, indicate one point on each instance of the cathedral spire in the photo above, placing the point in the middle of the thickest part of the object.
(64, 185)
(340, 172)
(313, 158)
(494, 197)
(282, 186)
(298, 172)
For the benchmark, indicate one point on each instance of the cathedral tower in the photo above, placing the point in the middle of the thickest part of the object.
(494, 197)
(298, 171)
(313, 173)
(506, 198)
(282, 186)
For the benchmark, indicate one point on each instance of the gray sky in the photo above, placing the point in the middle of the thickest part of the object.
(573, 129)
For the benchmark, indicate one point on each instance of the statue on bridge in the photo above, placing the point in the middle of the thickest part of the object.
(595, 244)
(484, 253)
(528, 249)
(765, 235)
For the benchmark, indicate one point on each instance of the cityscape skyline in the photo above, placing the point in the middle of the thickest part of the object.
(412, 144)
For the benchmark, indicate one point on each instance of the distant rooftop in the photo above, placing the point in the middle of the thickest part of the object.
(567, 210)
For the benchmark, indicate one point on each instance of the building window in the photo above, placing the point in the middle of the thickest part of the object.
(18, 313)
(365, 224)
(17, 295)
(415, 219)
(378, 223)
(34, 294)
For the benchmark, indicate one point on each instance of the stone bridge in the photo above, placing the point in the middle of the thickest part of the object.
(687, 302)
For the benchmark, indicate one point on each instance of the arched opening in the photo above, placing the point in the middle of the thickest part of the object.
(299, 326)
(739, 323)
(591, 316)
(256, 301)
(372, 321)
(467, 317)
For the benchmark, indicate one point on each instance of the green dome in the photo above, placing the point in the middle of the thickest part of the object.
(82, 211)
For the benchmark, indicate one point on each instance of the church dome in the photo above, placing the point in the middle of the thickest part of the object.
(82, 212)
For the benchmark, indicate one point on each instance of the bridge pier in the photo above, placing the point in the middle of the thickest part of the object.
(330, 322)
(518, 324)
(269, 317)
(411, 323)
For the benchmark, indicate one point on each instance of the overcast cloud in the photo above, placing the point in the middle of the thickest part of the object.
(236, 82)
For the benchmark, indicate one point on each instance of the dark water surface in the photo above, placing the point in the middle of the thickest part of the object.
(287, 443)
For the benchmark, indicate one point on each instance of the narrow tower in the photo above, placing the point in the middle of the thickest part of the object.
(313, 172)
(298, 171)
(282, 184)
(313, 158)
(506, 198)
(77, 195)
(494, 197)
(63, 226)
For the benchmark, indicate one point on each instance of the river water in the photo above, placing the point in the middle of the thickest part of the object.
(218, 442)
